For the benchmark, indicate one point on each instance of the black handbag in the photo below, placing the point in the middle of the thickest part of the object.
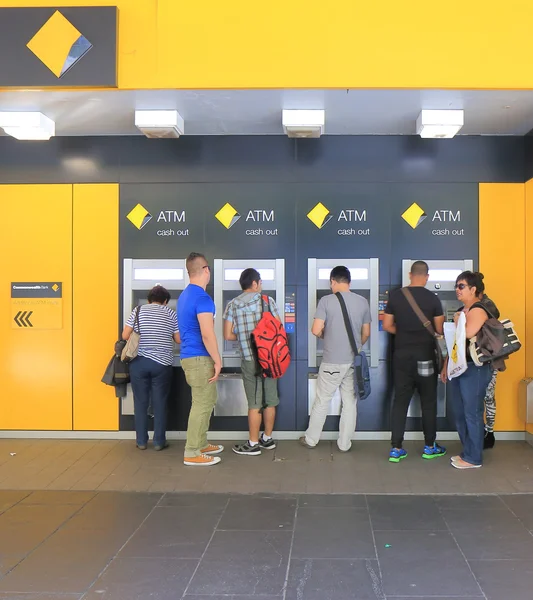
(361, 369)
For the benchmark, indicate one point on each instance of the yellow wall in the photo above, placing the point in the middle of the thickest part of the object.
(529, 284)
(502, 259)
(36, 364)
(310, 43)
(95, 303)
(50, 379)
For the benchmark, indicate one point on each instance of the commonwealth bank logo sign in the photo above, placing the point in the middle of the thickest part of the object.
(59, 45)
(414, 215)
(227, 216)
(319, 215)
(139, 216)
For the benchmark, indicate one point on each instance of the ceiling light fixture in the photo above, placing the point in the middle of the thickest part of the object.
(159, 123)
(27, 125)
(303, 123)
(439, 123)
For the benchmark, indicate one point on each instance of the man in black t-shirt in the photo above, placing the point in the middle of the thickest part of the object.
(414, 360)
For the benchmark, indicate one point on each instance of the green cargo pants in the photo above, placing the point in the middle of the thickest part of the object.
(198, 371)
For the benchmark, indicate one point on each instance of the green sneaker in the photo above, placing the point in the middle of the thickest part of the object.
(396, 455)
(434, 451)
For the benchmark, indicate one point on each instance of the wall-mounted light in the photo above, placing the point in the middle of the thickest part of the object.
(159, 123)
(27, 125)
(303, 123)
(439, 123)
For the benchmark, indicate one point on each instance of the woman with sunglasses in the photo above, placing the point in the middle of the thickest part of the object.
(469, 389)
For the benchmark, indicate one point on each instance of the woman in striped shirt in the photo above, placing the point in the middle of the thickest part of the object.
(151, 371)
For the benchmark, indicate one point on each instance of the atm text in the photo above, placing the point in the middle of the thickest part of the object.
(171, 232)
(352, 231)
(171, 216)
(447, 215)
(261, 231)
(351, 214)
(448, 232)
(261, 216)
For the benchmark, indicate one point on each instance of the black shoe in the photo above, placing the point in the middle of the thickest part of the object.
(159, 447)
(489, 440)
(141, 446)
(266, 444)
(247, 450)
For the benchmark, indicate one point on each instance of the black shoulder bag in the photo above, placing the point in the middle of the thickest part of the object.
(361, 370)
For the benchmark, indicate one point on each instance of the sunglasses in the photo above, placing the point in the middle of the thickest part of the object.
(460, 286)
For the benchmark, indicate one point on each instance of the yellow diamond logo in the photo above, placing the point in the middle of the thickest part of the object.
(319, 215)
(55, 287)
(139, 216)
(227, 215)
(414, 215)
(59, 45)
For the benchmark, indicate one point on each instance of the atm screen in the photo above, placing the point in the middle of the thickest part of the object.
(140, 297)
(450, 304)
(228, 295)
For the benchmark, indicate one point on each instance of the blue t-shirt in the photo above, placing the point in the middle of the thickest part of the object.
(193, 301)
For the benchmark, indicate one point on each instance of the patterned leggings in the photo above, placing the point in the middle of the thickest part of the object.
(490, 403)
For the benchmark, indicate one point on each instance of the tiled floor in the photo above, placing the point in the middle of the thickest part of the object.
(117, 466)
(133, 546)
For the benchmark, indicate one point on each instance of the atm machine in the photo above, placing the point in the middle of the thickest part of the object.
(442, 277)
(365, 282)
(231, 397)
(140, 276)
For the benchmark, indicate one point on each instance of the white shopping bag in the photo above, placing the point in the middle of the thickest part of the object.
(456, 343)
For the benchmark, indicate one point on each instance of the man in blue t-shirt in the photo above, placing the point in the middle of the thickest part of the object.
(200, 360)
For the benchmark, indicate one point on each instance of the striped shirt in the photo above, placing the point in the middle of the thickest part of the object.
(157, 324)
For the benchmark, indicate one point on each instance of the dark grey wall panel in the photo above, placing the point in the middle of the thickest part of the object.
(60, 160)
(528, 157)
(208, 159)
(265, 159)
(410, 158)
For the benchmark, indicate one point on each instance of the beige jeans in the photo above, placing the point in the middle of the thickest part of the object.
(330, 377)
(198, 371)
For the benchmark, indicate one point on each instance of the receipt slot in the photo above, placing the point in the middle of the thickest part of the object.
(365, 282)
(231, 397)
(140, 276)
(442, 277)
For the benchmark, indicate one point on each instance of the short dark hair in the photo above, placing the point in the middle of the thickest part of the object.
(248, 276)
(340, 274)
(473, 279)
(158, 294)
(193, 268)
(419, 267)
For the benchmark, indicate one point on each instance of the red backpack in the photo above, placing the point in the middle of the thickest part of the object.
(271, 344)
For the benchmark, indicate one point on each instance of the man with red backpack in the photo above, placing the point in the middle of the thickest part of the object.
(241, 319)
